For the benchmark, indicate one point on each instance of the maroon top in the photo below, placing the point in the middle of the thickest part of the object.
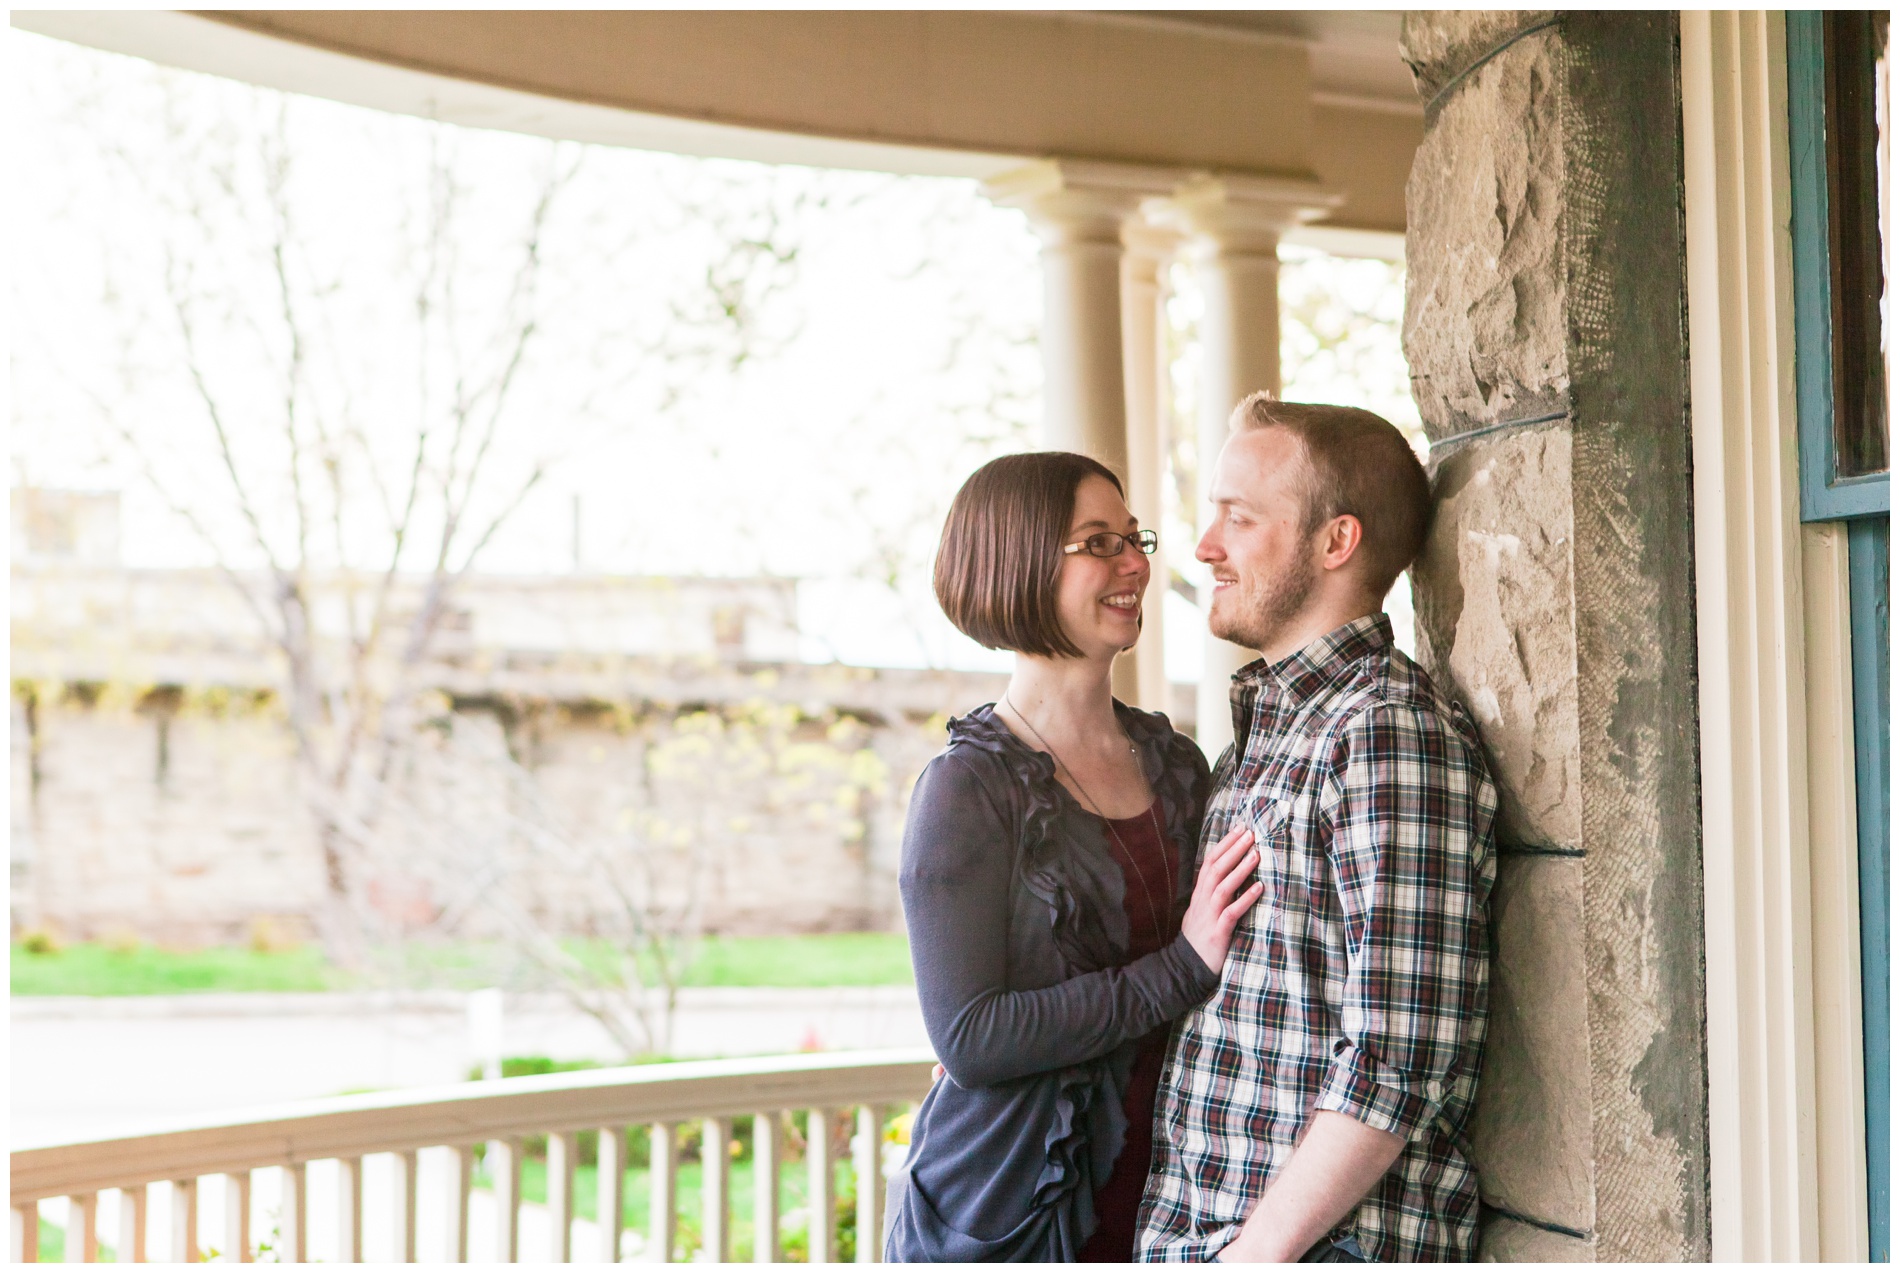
(1144, 855)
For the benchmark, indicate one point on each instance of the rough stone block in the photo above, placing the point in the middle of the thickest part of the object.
(1555, 597)
(1484, 311)
(1439, 44)
(1494, 599)
(1636, 639)
(1635, 710)
(1531, 1130)
(1505, 1241)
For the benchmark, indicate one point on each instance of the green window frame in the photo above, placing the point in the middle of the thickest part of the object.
(1862, 501)
(1826, 495)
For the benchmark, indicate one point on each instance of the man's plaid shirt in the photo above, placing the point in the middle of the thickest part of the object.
(1358, 981)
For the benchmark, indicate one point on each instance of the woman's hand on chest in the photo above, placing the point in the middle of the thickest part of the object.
(1223, 894)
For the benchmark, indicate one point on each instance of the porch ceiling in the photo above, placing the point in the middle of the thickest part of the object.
(1291, 93)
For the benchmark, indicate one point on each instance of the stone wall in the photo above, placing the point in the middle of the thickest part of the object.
(1545, 332)
(177, 816)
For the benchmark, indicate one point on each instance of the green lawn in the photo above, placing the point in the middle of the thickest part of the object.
(818, 959)
(87, 969)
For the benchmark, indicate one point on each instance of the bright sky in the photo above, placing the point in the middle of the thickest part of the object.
(893, 355)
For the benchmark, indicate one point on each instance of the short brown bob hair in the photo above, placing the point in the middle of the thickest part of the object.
(1358, 464)
(1001, 552)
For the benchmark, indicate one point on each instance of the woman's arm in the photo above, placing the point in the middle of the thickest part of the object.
(957, 882)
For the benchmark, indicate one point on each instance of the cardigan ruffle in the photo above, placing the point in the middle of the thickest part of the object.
(1039, 799)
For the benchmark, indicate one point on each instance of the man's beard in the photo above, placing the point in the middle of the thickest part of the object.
(1256, 617)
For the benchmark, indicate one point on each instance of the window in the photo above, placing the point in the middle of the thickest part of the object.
(1839, 159)
(1838, 149)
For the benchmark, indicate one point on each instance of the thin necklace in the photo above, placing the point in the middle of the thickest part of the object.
(1167, 872)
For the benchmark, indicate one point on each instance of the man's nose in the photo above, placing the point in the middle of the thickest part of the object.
(1209, 548)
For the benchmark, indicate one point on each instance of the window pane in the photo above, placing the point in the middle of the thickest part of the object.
(1856, 58)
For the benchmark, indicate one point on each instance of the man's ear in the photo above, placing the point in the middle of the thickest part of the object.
(1343, 535)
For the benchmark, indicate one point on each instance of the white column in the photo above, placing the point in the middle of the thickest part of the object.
(1078, 209)
(1146, 251)
(1234, 226)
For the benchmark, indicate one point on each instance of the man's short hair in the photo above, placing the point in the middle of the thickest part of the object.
(1000, 557)
(1357, 464)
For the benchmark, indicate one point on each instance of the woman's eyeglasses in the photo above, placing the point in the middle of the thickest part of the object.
(1109, 544)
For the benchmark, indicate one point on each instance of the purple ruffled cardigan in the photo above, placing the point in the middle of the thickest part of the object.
(1019, 940)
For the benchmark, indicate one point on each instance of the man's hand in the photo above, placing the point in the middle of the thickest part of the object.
(1338, 1160)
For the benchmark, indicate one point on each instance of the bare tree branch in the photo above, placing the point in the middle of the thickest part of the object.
(364, 516)
(214, 414)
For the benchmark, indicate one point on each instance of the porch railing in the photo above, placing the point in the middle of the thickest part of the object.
(455, 1121)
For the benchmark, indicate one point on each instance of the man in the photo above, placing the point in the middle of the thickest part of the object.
(1315, 1107)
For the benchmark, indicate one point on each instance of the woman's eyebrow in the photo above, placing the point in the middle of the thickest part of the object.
(1082, 526)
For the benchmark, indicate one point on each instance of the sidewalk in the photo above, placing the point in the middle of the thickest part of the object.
(87, 1066)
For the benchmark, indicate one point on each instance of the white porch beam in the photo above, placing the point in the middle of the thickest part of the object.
(950, 93)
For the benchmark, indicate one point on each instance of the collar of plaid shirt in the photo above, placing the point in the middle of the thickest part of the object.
(1359, 982)
(1307, 673)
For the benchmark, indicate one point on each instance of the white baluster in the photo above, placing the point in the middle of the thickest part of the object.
(661, 1222)
(293, 1214)
(506, 1174)
(349, 1210)
(821, 1232)
(561, 1158)
(82, 1229)
(131, 1248)
(610, 1183)
(765, 1147)
(870, 1185)
(237, 1218)
(461, 1181)
(715, 1192)
(184, 1235)
(25, 1247)
(406, 1167)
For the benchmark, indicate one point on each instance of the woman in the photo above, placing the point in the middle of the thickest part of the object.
(1057, 924)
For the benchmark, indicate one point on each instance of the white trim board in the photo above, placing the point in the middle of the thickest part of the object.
(1786, 1147)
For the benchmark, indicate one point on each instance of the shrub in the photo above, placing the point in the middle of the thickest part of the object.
(41, 941)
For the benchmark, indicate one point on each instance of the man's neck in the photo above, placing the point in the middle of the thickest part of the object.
(1315, 623)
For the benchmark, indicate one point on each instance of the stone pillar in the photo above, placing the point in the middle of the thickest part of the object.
(1555, 598)
(1234, 226)
(1146, 252)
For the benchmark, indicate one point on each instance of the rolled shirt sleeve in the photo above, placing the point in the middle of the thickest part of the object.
(1410, 873)
(1358, 985)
